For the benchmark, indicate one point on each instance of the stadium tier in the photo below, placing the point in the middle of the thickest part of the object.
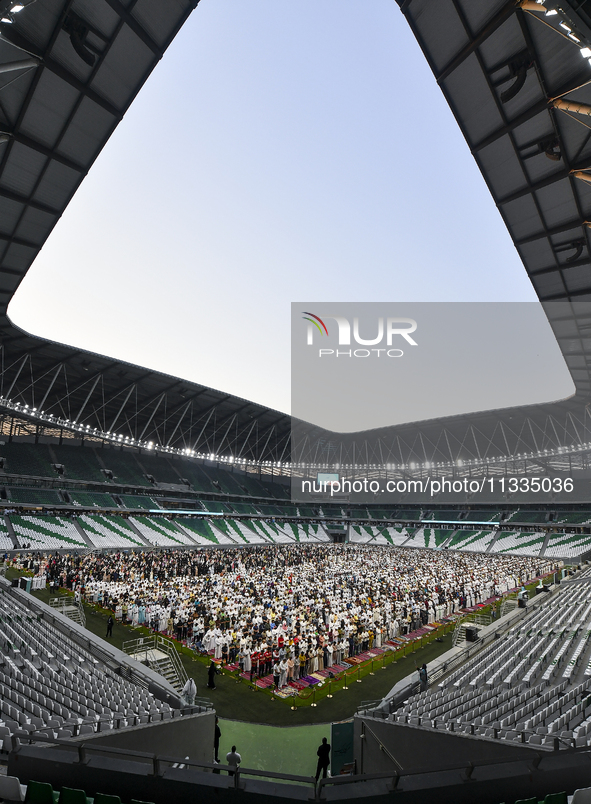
(160, 532)
(524, 517)
(471, 540)
(530, 686)
(138, 501)
(216, 507)
(429, 537)
(43, 497)
(27, 459)
(46, 533)
(107, 532)
(92, 499)
(124, 468)
(245, 508)
(573, 518)
(55, 688)
(5, 539)
(162, 470)
(517, 542)
(80, 463)
(482, 516)
(201, 531)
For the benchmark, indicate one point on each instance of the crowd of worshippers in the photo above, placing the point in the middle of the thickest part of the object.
(299, 607)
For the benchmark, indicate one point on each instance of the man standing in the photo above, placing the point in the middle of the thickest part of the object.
(216, 740)
(323, 755)
(233, 759)
(423, 677)
(110, 626)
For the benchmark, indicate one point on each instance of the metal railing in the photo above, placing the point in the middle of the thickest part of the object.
(159, 765)
(63, 603)
(147, 645)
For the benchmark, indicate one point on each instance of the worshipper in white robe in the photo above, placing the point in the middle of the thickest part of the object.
(209, 640)
(283, 673)
(329, 654)
(247, 663)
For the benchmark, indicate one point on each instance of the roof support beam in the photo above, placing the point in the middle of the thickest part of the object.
(156, 406)
(506, 11)
(132, 387)
(51, 384)
(88, 395)
(181, 417)
(21, 199)
(135, 26)
(48, 63)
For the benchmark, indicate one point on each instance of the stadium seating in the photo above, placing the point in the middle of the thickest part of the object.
(473, 541)
(92, 499)
(162, 470)
(216, 507)
(244, 508)
(201, 531)
(374, 534)
(23, 496)
(525, 517)
(46, 532)
(305, 511)
(51, 686)
(572, 518)
(161, 532)
(532, 685)
(80, 463)
(565, 545)
(139, 502)
(429, 537)
(109, 531)
(482, 516)
(519, 542)
(27, 459)
(125, 468)
(444, 516)
(5, 539)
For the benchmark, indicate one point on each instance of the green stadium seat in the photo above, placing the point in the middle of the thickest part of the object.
(70, 795)
(41, 793)
(556, 798)
(105, 798)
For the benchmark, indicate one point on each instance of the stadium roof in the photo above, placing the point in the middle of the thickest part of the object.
(512, 74)
(69, 69)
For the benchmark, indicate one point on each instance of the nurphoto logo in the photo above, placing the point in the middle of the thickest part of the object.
(394, 327)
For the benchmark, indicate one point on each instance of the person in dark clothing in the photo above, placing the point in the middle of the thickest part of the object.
(424, 677)
(211, 674)
(323, 755)
(216, 740)
(110, 626)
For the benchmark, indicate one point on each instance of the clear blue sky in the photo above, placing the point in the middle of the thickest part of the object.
(280, 151)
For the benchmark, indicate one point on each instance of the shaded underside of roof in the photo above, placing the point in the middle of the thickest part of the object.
(501, 69)
(75, 67)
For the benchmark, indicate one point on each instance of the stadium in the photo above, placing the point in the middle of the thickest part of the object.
(159, 572)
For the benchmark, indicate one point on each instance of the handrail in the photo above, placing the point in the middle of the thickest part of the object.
(167, 646)
(84, 748)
